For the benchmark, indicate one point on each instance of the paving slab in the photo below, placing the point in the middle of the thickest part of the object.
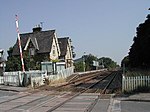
(140, 96)
(135, 106)
(101, 106)
(131, 103)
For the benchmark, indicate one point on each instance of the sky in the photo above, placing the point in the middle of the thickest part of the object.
(104, 28)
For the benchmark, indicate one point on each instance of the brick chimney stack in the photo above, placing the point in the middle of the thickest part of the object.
(37, 28)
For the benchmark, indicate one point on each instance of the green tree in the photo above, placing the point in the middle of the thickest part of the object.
(139, 54)
(13, 63)
(79, 67)
(125, 61)
(107, 62)
(89, 61)
(86, 62)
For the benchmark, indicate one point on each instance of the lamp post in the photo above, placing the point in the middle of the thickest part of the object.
(84, 62)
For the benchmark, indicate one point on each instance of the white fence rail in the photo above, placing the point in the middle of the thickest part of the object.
(12, 78)
(16, 78)
(62, 74)
(36, 78)
(1, 80)
(132, 83)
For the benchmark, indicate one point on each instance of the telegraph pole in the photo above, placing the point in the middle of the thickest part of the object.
(84, 65)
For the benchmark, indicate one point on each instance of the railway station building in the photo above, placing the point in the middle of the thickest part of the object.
(44, 46)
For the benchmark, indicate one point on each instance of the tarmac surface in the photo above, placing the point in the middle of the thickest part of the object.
(126, 103)
(13, 88)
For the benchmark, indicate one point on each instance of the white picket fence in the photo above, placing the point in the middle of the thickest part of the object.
(132, 83)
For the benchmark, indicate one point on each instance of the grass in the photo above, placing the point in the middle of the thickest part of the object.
(57, 82)
(138, 73)
(143, 89)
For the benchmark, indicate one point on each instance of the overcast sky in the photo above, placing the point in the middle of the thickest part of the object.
(100, 27)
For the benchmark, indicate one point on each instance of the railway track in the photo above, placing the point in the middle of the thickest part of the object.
(80, 80)
(49, 101)
(111, 77)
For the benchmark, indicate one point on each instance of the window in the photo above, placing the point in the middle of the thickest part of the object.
(54, 53)
(32, 51)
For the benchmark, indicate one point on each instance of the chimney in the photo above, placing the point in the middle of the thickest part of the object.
(37, 28)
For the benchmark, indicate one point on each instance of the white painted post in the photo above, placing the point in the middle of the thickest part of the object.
(123, 88)
(148, 81)
(128, 83)
(134, 82)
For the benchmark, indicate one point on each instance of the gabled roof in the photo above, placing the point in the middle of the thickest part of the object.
(34, 42)
(63, 45)
(42, 41)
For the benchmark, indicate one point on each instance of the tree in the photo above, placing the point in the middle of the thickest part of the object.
(125, 61)
(79, 67)
(107, 62)
(89, 61)
(73, 53)
(13, 63)
(139, 54)
(85, 62)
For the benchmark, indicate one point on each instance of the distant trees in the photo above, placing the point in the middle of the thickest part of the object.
(139, 54)
(85, 63)
(108, 63)
(125, 61)
(79, 66)
(88, 60)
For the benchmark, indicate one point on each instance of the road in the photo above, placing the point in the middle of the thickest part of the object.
(6, 93)
(22, 101)
(135, 106)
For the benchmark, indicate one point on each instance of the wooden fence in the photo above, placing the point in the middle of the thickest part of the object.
(133, 83)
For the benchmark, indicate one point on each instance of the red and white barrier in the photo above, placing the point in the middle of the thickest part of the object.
(19, 43)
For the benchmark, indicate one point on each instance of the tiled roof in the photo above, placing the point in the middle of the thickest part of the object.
(43, 39)
(63, 45)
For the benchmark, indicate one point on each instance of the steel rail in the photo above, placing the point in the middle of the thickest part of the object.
(101, 94)
(85, 78)
(77, 94)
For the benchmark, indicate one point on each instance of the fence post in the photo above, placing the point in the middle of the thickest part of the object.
(123, 83)
(148, 81)
(127, 83)
(134, 82)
